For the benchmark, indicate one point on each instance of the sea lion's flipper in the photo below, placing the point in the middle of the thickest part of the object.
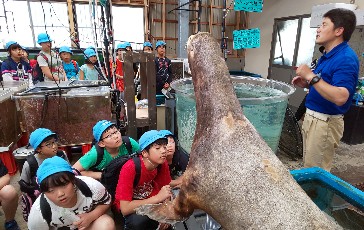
(162, 212)
(173, 211)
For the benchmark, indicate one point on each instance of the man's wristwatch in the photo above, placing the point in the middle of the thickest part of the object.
(314, 80)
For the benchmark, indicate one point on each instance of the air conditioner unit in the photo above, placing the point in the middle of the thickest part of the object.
(319, 11)
(359, 17)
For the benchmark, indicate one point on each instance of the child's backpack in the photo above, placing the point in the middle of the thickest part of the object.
(75, 65)
(45, 208)
(110, 175)
(100, 151)
(30, 191)
(37, 73)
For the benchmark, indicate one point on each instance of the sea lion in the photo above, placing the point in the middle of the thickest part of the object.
(232, 174)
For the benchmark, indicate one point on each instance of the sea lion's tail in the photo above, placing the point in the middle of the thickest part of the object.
(162, 212)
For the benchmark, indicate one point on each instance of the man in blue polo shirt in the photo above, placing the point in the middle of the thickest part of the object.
(332, 86)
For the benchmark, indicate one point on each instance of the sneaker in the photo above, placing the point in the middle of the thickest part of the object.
(11, 225)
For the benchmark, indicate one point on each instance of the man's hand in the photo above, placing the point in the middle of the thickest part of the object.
(298, 81)
(304, 75)
(305, 72)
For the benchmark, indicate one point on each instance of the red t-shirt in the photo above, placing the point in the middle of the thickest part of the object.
(150, 182)
(119, 71)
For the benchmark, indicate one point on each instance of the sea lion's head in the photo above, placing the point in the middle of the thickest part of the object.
(205, 56)
(202, 46)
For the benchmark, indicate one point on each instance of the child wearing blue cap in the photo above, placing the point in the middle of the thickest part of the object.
(176, 159)
(153, 185)
(163, 68)
(48, 61)
(45, 145)
(14, 68)
(87, 70)
(147, 47)
(119, 62)
(109, 139)
(70, 66)
(75, 202)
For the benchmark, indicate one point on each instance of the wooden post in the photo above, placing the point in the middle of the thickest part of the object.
(164, 20)
(146, 20)
(129, 94)
(148, 84)
(71, 21)
(151, 85)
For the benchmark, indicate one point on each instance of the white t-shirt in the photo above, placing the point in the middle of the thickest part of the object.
(55, 66)
(64, 217)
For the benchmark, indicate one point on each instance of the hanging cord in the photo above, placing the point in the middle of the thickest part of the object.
(94, 13)
(228, 9)
(63, 26)
(112, 43)
(45, 27)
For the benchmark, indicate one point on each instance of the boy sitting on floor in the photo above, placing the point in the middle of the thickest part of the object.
(153, 185)
(75, 202)
(109, 139)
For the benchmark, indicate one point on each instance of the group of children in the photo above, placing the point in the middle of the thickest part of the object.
(49, 66)
(56, 195)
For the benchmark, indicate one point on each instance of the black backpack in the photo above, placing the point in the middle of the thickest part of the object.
(110, 175)
(37, 73)
(30, 191)
(45, 208)
(100, 152)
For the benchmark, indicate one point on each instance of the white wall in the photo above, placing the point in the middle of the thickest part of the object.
(257, 60)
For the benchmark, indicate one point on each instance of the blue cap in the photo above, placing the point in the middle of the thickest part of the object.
(65, 49)
(120, 46)
(149, 137)
(100, 127)
(89, 53)
(160, 43)
(9, 43)
(38, 136)
(148, 44)
(126, 44)
(165, 133)
(52, 166)
(43, 37)
(91, 47)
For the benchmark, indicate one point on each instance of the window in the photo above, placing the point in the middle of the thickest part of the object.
(129, 25)
(17, 25)
(52, 17)
(285, 42)
(85, 22)
(307, 43)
